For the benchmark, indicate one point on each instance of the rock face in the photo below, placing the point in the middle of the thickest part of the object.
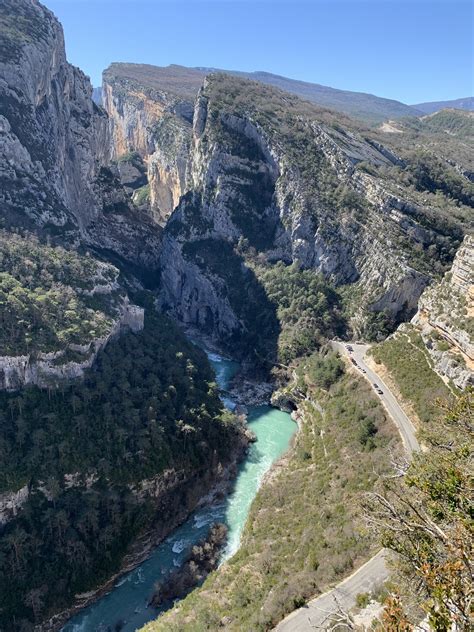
(153, 121)
(11, 503)
(291, 190)
(48, 369)
(54, 144)
(446, 319)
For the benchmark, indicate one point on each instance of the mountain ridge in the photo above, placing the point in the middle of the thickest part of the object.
(365, 106)
(463, 103)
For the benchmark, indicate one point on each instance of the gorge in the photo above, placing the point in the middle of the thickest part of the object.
(196, 204)
(129, 601)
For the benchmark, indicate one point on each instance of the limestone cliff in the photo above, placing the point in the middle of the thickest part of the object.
(152, 120)
(446, 319)
(54, 144)
(276, 175)
(49, 369)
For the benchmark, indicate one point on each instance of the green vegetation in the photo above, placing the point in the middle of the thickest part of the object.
(307, 306)
(44, 303)
(177, 80)
(447, 121)
(408, 363)
(287, 312)
(322, 371)
(305, 529)
(437, 171)
(132, 157)
(362, 600)
(427, 172)
(439, 196)
(142, 195)
(146, 393)
(289, 120)
(426, 517)
(149, 404)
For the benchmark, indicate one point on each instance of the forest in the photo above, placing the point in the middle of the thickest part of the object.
(149, 404)
(47, 296)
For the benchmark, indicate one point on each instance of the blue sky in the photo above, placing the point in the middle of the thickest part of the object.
(410, 50)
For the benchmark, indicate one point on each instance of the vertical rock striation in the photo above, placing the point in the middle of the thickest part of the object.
(55, 174)
(286, 184)
(445, 318)
(152, 119)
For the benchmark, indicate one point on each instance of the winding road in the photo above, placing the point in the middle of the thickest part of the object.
(316, 613)
(404, 425)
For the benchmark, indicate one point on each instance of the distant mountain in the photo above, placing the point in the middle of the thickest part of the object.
(451, 122)
(466, 103)
(187, 81)
(361, 105)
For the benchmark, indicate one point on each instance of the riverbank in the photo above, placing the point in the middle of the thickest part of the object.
(242, 390)
(125, 600)
(305, 529)
(208, 489)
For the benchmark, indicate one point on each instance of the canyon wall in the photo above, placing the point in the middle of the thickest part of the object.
(445, 318)
(155, 123)
(55, 173)
(291, 191)
(47, 370)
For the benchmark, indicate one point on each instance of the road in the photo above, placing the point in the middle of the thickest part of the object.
(314, 615)
(405, 427)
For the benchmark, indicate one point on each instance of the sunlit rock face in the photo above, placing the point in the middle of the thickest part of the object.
(446, 319)
(55, 148)
(292, 191)
(150, 117)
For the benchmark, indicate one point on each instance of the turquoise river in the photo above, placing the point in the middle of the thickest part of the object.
(125, 607)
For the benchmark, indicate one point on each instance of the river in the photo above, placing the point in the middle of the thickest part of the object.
(127, 602)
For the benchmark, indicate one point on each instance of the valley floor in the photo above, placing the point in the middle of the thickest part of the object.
(305, 529)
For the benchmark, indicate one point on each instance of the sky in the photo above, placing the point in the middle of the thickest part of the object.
(409, 50)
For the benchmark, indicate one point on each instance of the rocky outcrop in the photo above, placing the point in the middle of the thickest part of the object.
(250, 183)
(153, 123)
(11, 503)
(201, 560)
(55, 144)
(49, 369)
(446, 319)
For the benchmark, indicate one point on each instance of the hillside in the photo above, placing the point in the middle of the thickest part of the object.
(441, 144)
(429, 107)
(285, 559)
(278, 179)
(102, 398)
(360, 105)
(231, 210)
(448, 121)
(350, 170)
(186, 82)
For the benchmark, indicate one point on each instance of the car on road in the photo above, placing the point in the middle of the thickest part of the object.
(349, 348)
(376, 386)
(353, 362)
(380, 391)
